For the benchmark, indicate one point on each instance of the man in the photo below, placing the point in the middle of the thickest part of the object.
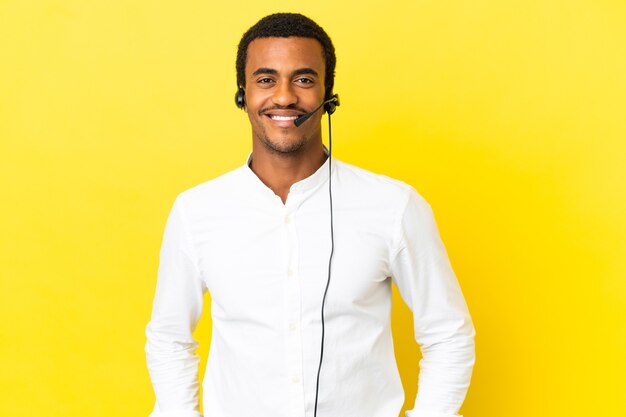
(275, 246)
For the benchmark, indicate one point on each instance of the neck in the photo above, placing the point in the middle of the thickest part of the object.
(280, 171)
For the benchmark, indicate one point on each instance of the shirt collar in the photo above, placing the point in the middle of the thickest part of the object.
(311, 182)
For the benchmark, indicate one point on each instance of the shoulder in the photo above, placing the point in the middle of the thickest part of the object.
(212, 193)
(366, 184)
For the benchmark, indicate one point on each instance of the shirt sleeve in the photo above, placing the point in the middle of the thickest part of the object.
(442, 324)
(170, 348)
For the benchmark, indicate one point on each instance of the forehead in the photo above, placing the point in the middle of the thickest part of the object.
(285, 54)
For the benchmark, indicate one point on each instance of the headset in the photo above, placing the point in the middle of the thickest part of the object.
(330, 104)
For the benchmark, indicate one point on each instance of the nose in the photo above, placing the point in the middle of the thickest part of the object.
(284, 94)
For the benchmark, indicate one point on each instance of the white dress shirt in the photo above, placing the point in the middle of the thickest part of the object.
(265, 265)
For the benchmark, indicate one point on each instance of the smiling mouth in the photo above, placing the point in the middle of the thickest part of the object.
(281, 118)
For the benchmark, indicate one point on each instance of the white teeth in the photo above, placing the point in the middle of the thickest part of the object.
(275, 117)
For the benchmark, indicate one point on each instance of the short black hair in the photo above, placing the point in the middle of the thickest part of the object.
(285, 25)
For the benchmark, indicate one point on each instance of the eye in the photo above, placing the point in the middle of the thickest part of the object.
(265, 82)
(305, 81)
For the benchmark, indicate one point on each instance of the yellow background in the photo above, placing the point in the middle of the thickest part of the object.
(508, 116)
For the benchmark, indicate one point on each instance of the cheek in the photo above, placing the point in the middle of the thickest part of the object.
(255, 100)
(256, 121)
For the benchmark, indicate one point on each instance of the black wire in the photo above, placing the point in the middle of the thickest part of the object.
(330, 258)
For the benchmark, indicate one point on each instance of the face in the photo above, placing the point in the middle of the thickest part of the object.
(284, 80)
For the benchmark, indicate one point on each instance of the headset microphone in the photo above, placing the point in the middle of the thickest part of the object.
(329, 105)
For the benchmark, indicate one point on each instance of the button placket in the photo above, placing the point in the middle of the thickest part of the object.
(292, 317)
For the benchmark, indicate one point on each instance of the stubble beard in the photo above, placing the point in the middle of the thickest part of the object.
(283, 147)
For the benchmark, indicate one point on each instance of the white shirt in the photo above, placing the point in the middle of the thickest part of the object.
(265, 265)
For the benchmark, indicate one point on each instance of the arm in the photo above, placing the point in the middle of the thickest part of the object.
(170, 348)
(442, 324)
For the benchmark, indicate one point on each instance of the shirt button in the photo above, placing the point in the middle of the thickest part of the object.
(295, 379)
(292, 327)
(290, 272)
(287, 219)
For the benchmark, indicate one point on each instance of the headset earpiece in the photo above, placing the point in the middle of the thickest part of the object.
(240, 98)
(332, 104)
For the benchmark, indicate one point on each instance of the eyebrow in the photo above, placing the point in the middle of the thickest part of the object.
(302, 71)
(263, 70)
(272, 71)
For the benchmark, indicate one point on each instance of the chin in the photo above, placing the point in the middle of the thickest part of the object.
(286, 146)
